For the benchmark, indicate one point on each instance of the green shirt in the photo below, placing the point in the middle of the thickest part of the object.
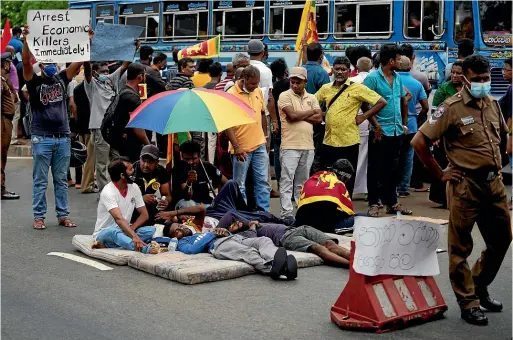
(445, 91)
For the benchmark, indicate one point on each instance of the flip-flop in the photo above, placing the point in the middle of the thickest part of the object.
(373, 211)
(66, 222)
(425, 189)
(39, 225)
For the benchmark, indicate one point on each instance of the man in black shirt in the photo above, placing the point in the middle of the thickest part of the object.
(134, 139)
(152, 179)
(191, 178)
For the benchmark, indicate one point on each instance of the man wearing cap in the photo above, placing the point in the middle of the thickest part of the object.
(153, 180)
(257, 54)
(7, 110)
(298, 111)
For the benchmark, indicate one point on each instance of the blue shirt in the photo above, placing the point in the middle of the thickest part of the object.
(390, 116)
(316, 75)
(17, 44)
(417, 94)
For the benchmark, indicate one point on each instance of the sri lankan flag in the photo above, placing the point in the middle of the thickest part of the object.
(173, 146)
(307, 26)
(324, 186)
(205, 49)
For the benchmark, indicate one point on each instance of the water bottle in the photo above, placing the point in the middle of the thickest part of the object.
(172, 244)
(161, 199)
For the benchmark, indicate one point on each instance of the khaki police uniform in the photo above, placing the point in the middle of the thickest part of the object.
(471, 140)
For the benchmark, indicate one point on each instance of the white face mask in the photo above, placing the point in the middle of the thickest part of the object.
(350, 29)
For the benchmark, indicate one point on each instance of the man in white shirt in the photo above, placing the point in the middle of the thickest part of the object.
(364, 66)
(118, 200)
(256, 50)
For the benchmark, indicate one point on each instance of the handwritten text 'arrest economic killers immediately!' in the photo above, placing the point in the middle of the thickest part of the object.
(50, 44)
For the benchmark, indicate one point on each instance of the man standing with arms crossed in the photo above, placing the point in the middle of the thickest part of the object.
(474, 133)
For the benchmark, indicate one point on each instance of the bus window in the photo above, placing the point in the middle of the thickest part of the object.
(144, 15)
(463, 20)
(363, 19)
(239, 19)
(105, 13)
(495, 19)
(185, 20)
(423, 19)
(290, 12)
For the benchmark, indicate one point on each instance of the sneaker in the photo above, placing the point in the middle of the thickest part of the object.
(279, 262)
(7, 195)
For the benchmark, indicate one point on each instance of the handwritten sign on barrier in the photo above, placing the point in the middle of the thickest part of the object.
(59, 36)
(396, 247)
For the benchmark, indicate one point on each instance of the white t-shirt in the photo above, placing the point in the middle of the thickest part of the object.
(266, 80)
(111, 198)
(364, 127)
(100, 96)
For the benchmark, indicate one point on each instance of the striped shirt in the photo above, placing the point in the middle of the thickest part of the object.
(180, 82)
(220, 86)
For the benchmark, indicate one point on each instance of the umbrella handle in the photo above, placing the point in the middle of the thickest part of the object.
(208, 179)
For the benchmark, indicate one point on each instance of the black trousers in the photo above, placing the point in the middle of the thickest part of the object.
(330, 154)
(382, 169)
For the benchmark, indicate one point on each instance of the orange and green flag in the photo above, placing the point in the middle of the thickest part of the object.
(205, 49)
(307, 27)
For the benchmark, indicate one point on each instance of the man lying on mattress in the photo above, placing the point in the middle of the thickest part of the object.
(301, 238)
(260, 252)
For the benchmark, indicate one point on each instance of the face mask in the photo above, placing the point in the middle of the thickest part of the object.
(50, 70)
(479, 90)
(103, 77)
(350, 29)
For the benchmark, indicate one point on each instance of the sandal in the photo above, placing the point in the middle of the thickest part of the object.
(423, 189)
(373, 211)
(398, 208)
(39, 224)
(66, 222)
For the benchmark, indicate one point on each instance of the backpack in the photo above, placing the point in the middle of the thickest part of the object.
(112, 127)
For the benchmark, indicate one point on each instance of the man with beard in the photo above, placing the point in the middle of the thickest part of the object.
(152, 178)
(390, 127)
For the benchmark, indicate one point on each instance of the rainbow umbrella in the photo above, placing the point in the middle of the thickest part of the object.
(184, 110)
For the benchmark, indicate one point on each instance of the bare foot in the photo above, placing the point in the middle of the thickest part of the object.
(98, 245)
(154, 247)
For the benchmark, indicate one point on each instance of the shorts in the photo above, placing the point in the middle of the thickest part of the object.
(303, 237)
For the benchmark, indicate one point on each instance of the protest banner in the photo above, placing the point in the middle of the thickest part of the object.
(59, 36)
(114, 42)
(396, 246)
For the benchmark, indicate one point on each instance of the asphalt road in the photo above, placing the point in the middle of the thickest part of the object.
(46, 297)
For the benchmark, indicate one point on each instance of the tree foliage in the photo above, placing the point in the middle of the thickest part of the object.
(16, 11)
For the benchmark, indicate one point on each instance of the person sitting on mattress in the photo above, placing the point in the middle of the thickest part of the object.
(324, 202)
(259, 252)
(118, 200)
(304, 238)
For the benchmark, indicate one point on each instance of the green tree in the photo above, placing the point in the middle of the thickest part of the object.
(16, 11)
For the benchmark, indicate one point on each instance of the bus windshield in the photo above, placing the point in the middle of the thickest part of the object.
(495, 17)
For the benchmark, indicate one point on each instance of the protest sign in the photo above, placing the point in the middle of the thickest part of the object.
(59, 36)
(114, 42)
(395, 246)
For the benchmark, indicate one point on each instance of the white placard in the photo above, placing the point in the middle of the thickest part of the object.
(59, 36)
(396, 247)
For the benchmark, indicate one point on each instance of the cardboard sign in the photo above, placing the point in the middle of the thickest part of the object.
(114, 42)
(59, 36)
(396, 247)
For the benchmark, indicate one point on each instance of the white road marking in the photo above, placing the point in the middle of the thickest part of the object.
(79, 259)
(19, 157)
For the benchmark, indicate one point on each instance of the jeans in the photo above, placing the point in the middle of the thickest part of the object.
(258, 160)
(382, 171)
(50, 152)
(405, 165)
(296, 166)
(114, 237)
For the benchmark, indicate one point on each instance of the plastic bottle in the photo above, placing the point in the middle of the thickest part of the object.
(161, 199)
(172, 244)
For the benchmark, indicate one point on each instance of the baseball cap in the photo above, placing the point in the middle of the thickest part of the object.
(6, 56)
(255, 46)
(298, 72)
(151, 151)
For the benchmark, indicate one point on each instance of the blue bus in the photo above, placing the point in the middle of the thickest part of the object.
(432, 27)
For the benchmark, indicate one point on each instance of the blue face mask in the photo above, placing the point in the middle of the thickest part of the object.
(103, 77)
(50, 70)
(480, 90)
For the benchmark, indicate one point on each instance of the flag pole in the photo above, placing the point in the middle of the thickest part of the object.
(300, 56)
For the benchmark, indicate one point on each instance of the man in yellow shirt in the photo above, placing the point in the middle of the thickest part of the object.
(248, 142)
(343, 99)
(298, 111)
(202, 77)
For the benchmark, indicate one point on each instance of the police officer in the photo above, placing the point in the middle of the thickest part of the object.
(474, 134)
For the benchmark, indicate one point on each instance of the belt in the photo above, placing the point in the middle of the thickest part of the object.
(55, 135)
(482, 174)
